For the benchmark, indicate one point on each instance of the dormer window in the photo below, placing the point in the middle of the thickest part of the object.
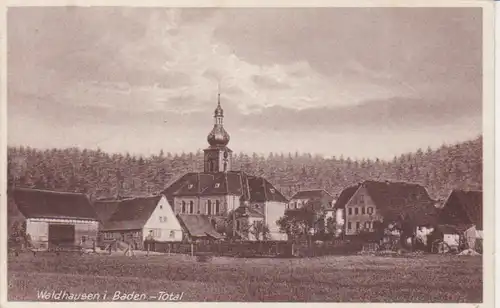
(217, 185)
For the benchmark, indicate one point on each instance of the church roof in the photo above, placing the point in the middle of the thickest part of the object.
(252, 188)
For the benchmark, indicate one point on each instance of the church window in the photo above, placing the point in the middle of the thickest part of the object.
(191, 207)
(217, 206)
(183, 207)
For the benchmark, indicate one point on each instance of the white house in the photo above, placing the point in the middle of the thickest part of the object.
(137, 219)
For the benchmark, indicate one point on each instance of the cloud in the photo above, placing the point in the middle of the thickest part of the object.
(396, 114)
(284, 70)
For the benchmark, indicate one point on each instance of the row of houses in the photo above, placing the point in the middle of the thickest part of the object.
(359, 207)
(60, 217)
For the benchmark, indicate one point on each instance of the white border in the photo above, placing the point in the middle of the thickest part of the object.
(488, 123)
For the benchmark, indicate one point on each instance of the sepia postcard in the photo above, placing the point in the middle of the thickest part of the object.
(320, 152)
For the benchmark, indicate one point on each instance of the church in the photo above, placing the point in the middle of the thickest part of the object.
(202, 200)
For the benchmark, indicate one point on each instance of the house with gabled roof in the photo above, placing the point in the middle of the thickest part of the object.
(218, 191)
(337, 212)
(56, 218)
(370, 201)
(463, 209)
(320, 199)
(135, 220)
(198, 227)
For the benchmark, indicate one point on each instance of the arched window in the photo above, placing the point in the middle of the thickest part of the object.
(183, 210)
(209, 207)
(217, 206)
(191, 207)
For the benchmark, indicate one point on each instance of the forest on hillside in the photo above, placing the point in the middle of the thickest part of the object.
(101, 174)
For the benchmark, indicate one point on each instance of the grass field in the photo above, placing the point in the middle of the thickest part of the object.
(430, 278)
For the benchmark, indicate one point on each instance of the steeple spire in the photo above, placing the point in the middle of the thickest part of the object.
(218, 156)
(218, 94)
(218, 136)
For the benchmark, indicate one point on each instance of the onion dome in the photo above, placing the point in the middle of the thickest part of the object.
(218, 137)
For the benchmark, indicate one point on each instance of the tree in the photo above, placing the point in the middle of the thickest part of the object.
(331, 226)
(81, 170)
(233, 227)
(297, 223)
(260, 230)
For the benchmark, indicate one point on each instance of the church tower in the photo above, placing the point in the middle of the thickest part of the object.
(218, 156)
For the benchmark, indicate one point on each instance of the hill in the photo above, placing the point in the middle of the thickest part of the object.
(106, 175)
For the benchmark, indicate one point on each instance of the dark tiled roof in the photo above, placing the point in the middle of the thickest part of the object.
(198, 226)
(248, 211)
(311, 194)
(398, 198)
(469, 205)
(34, 203)
(261, 190)
(105, 208)
(345, 196)
(131, 214)
(255, 189)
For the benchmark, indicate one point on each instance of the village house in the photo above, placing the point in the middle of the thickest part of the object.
(55, 219)
(337, 211)
(198, 228)
(218, 191)
(136, 220)
(371, 201)
(320, 199)
(463, 210)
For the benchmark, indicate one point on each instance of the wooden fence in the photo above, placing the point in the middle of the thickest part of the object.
(257, 249)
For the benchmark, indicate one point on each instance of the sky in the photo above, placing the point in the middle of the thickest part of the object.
(357, 82)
